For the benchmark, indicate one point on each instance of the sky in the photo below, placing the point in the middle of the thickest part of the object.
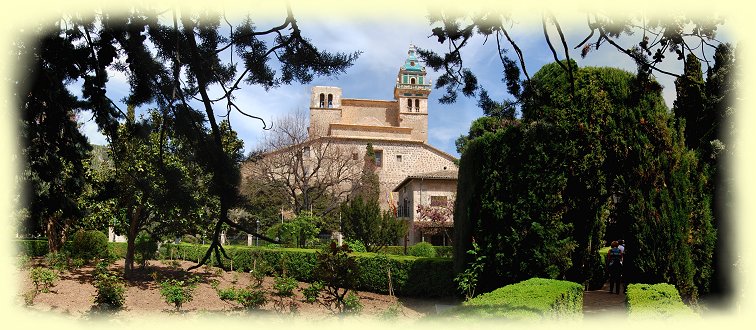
(384, 41)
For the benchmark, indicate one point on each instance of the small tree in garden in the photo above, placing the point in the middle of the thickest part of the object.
(338, 272)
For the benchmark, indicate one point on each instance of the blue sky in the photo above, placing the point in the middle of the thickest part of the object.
(384, 42)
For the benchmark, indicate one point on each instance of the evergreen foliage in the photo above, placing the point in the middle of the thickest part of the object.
(542, 194)
(363, 220)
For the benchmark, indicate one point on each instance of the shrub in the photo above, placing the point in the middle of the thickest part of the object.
(467, 280)
(392, 312)
(89, 245)
(422, 249)
(535, 298)
(251, 298)
(656, 301)
(178, 292)
(283, 287)
(352, 304)
(339, 273)
(225, 294)
(145, 248)
(43, 279)
(111, 291)
(57, 260)
(312, 292)
(355, 245)
(410, 276)
(32, 247)
(118, 249)
(77, 263)
(23, 261)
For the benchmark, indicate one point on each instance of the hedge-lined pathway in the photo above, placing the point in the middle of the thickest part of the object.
(602, 303)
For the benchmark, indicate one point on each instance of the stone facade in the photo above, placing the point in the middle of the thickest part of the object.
(397, 130)
(425, 189)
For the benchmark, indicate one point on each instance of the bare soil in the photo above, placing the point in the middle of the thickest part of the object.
(73, 294)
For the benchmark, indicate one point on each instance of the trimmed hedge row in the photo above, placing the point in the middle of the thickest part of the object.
(656, 301)
(32, 248)
(533, 299)
(410, 276)
(441, 251)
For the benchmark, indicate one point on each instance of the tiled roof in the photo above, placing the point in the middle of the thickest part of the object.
(437, 175)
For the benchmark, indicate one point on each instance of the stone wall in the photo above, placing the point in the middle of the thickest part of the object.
(419, 192)
(369, 112)
(415, 158)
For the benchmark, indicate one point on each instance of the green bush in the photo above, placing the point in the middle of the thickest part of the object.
(111, 291)
(89, 245)
(251, 298)
(32, 248)
(43, 278)
(177, 292)
(312, 292)
(656, 301)
(352, 304)
(58, 260)
(410, 276)
(533, 299)
(441, 251)
(145, 248)
(355, 245)
(422, 249)
(118, 249)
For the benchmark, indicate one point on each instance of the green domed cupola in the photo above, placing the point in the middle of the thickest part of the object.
(412, 63)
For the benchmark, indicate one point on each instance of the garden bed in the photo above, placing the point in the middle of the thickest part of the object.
(73, 294)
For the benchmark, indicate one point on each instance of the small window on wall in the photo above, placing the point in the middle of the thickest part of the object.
(409, 104)
(306, 152)
(330, 100)
(354, 156)
(398, 158)
(412, 81)
(379, 158)
(417, 105)
(322, 100)
(438, 200)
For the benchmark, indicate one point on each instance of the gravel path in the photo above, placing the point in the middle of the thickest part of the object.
(603, 303)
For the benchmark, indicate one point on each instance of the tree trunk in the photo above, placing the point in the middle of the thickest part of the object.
(55, 237)
(128, 265)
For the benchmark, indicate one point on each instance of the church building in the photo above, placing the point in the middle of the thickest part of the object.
(411, 171)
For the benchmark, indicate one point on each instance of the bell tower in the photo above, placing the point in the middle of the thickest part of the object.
(411, 92)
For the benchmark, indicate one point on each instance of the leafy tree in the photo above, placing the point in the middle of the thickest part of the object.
(173, 58)
(679, 35)
(312, 172)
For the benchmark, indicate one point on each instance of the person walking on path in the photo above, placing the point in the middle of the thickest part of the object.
(614, 265)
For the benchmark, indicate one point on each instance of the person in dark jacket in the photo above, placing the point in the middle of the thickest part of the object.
(614, 264)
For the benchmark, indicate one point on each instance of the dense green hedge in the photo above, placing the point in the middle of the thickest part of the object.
(32, 248)
(533, 299)
(410, 276)
(441, 251)
(656, 301)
